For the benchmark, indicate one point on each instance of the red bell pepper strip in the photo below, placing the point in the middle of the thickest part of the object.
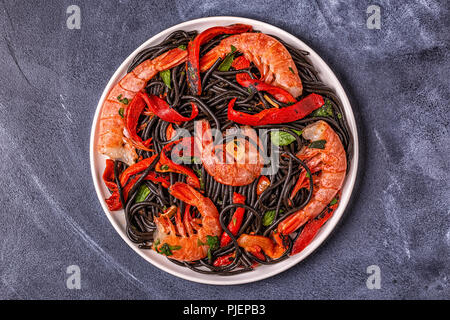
(132, 113)
(246, 81)
(108, 175)
(291, 113)
(170, 132)
(193, 62)
(236, 221)
(163, 110)
(165, 164)
(311, 229)
(224, 260)
(113, 201)
(262, 185)
(135, 168)
(127, 181)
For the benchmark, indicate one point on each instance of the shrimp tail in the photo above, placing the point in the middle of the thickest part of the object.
(185, 193)
(293, 222)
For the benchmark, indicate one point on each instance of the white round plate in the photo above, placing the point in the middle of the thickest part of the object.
(261, 272)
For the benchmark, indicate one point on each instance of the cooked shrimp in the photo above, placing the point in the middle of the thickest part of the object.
(330, 162)
(234, 163)
(112, 141)
(181, 242)
(272, 248)
(268, 54)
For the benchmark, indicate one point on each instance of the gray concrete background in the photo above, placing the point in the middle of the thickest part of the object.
(397, 79)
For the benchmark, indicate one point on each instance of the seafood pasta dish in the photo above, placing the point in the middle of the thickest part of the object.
(224, 149)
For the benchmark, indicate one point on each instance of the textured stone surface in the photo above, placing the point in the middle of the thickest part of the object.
(51, 79)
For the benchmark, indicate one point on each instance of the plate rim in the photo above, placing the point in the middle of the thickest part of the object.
(326, 230)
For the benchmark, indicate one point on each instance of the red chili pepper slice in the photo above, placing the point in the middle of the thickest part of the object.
(193, 62)
(108, 175)
(311, 229)
(236, 221)
(224, 260)
(132, 113)
(246, 81)
(163, 110)
(291, 113)
(165, 164)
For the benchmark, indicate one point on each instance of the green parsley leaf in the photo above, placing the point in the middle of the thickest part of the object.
(165, 76)
(182, 47)
(291, 70)
(233, 49)
(333, 202)
(121, 110)
(164, 167)
(281, 138)
(319, 144)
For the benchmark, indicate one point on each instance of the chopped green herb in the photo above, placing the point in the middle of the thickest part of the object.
(164, 167)
(182, 47)
(213, 243)
(143, 192)
(234, 220)
(166, 249)
(268, 217)
(226, 63)
(339, 116)
(333, 202)
(281, 138)
(291, 70)
(124, 100)
(324, 111)
(307, 174)
(319, 144)
(121, 112)
(156, 243)
(209, 254)
(198, 173)
(165, 76)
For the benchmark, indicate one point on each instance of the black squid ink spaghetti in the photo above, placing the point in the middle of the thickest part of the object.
(225, 149)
